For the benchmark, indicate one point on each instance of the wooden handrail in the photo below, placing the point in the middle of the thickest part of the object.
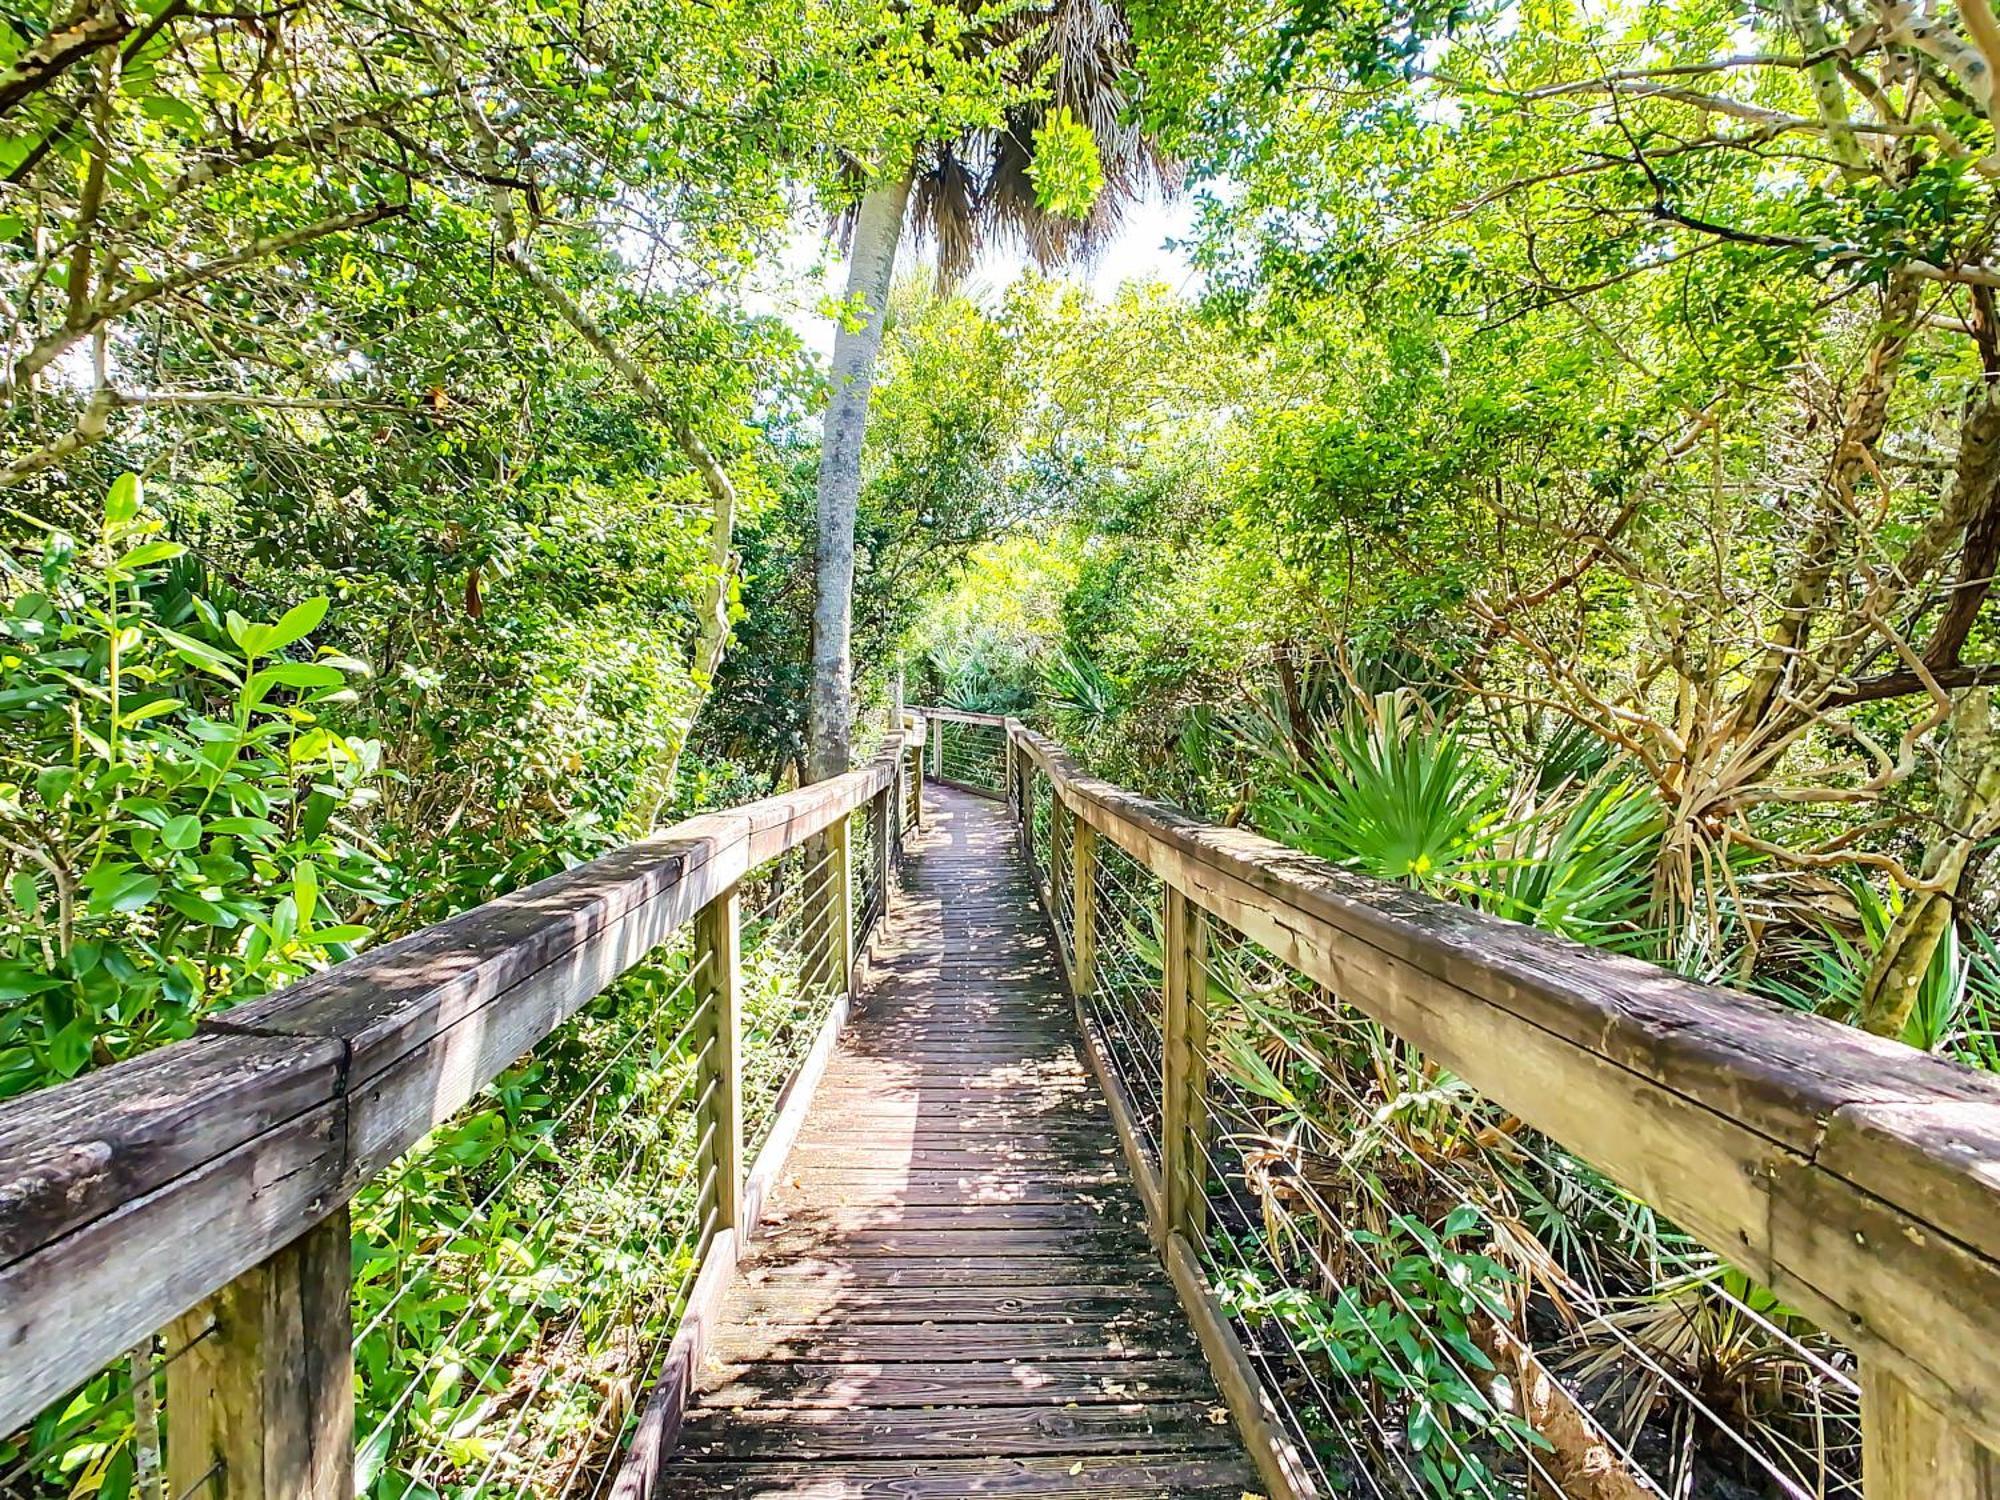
(131, 1195)
(1855, 1177)
(960, 716)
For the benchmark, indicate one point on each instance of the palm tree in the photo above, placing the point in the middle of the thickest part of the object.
(962, 194)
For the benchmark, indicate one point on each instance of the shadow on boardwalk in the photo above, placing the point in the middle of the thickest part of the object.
(952, 1293)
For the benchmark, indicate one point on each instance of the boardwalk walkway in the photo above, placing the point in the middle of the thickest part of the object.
(953, 1293)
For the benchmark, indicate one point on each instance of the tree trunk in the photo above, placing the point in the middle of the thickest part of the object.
(877, 229)
(1972, 787)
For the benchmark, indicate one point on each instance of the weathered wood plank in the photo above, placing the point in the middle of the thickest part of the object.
(81, 1301)
(941, 1270)
(70, 1154)
(1910, 1452)
(893, 1190)
(1107, 1240)
(1055, 1382)
(894, 1432)
(1131, 1477)
(794, 1304)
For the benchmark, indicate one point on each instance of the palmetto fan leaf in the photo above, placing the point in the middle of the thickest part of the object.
(1391, 795)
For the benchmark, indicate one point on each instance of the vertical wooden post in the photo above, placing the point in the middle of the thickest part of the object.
(1083, 908)
(1028, 814)
(261, 1404)
(1911, 1451)
(717, 952)
(883, 811)
(1058, 870)
(936, 727)
(1184, 1068)
(839, 876)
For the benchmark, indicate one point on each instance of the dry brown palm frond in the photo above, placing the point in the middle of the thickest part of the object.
(977, 190)
(944, 204)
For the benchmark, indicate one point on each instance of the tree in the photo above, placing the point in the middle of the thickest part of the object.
(1051, 168)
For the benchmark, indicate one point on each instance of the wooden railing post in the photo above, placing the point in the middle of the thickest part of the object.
(1083, 908)
(936, 737)
(1184, 1067)
(717, 956)
(1911, 1451)
(839, 878)
(1059, 814)
(260, 1406)
(1026, 813)
(882, 811)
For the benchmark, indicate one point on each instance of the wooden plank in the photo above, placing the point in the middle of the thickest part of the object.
(822, 1166)
(893, 1432)
(1127, 1477)
(893, 1190)
(261, 1404)
(1086, 1216)
(1133, 1339)
(1185, 1080)
(69, 1154)
(783, 1302)
(1055, 1382)
(871, 1177)
(969, 1269)
(1083, 906)
(1909, 1451)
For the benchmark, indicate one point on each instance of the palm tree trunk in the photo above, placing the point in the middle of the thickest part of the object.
(877, 229)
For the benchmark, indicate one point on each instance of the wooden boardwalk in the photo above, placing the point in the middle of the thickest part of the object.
(953, 1293)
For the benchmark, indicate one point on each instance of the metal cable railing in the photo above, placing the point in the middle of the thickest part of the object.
(1424, 1294)
(516, 1276)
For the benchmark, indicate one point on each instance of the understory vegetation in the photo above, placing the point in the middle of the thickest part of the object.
(1560, 474)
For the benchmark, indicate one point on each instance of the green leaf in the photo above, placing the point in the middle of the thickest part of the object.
(181, 833)
(18, 982)
(297, 622)
(145, 555)
(149, 710)
(201, 654)
(305, 891)
(298, 674)
(69, 1049)
(121, 506)
(199, 908)
(133, 892)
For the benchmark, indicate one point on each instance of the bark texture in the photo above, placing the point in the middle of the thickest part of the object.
(877, 230)
(1972, 812)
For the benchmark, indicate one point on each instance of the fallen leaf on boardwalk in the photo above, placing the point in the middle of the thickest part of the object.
(1077, 1467)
